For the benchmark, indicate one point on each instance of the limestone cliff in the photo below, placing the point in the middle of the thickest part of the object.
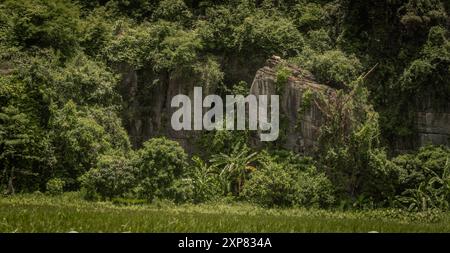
(147, 96)
(300, 128)
(433, 123)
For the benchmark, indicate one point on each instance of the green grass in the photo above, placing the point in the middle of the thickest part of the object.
(40, 213)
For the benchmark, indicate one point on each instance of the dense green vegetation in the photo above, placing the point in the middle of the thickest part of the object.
(62, 110)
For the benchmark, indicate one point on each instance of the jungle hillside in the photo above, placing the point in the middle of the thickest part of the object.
(85, 89)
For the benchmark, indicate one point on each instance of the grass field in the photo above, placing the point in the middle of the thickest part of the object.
(40, 213)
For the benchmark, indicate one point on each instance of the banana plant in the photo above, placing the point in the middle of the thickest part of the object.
(432, 194)
(235, 167)
(440, 186)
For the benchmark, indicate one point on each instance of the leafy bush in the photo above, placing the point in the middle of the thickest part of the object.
(164, 45)
(55, 186)
(113, 176)
(294, 181)
(424, 181)
(160, 162)
(282, 77)
(43, 23)
(222, 141)
(331, 67)
(172, 10)
(270, 187)
(308, 15)
(270, 33)
(425, 76)
(96, 31)
(205, 182)
(243, 28)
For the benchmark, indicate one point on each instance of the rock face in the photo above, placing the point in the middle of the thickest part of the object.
(433, 128)
(147, 104)
(300, 129)
(147, 96)
(147, 111)
(433, 123)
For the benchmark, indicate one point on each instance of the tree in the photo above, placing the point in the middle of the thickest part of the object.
(44, 24)
(23, 151)
(349, 145)
(79, 141)
(160, 162)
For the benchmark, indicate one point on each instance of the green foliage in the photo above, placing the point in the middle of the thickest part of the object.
(282, 76)
(349, 146)
(289, 181)
(249, 30)
(55, 186)
(428, 76)
(79, 140)
(419, 14)
(394, 35)
(163, 44)
(421, 166)
(116, 135)
(424, 179)
(113, 176)
(25, 151)
(137, 9)
(43, 24)
(209, 73)
(331, 67)
(308, 15)
(86, 82)
(60, 102)
(307, 100)
(160, 163)
(205, 182)
(235, 167)
(80, 79)
(172, 10)
(96, 31)
(272, 186)
(222, 141)
(273, 34)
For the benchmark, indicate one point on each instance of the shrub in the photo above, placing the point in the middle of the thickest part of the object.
(205, 182)
(55, 186)
(172, 10)
(112, 177)
(222, 141)
(332, 67)
(294, 181)
(270, 187)
(424, 179)
(160, 163)
(181, 191)
(164, 45)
